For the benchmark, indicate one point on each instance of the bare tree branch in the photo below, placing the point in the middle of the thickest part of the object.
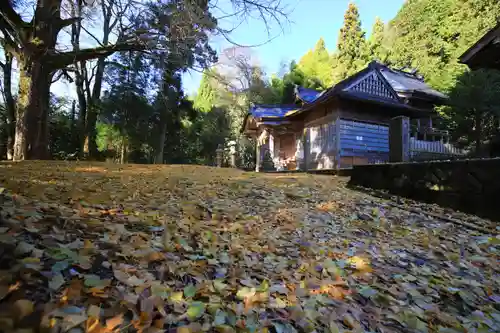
(67, 22)
(13, 20)
(63, 59)
(63, 73)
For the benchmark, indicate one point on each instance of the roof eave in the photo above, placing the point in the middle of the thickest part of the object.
(399, 105)
(467, 56)
(430, 97)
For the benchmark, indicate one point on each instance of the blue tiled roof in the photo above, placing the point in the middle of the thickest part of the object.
(276, 122)
(306, 94)
(271, 111)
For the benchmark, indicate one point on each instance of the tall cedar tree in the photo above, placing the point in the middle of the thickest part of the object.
(351, 46)
(207, 94)
(376, 44)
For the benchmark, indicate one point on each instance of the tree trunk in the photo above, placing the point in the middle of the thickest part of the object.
(73, 126)
(40, 150)
(31, 138)
(90, 147)
(82, 114)
(9, 104)
(123, 152)
(161, 143)
(21, 139)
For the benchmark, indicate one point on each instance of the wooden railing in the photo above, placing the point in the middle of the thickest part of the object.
(420, 149)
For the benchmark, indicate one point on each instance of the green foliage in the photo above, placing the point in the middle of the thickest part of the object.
(351, 46)
(377, 48)
(316, 64)
(284, 89)
(430, 35)
(246, 153)
(108, 137)
(473, 117)
(207, 92)
(209, 130)
(61, 128)
(126, 110)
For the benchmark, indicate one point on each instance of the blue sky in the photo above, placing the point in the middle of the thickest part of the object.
(309, 20)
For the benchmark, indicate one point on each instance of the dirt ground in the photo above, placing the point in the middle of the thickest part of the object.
(96, 247)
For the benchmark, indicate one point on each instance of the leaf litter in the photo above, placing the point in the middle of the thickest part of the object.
(131, 248)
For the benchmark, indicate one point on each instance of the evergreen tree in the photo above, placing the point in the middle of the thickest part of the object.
(474, 114)
(125, 108)
(296, 77)
(430, 35)
(376, 44)
(316, 63)
(207, 94)
(351, 46)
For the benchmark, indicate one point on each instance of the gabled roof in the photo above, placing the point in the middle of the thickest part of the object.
(271, 110)
(307, 95)
(269, 114)
(404, 82)
(485, 53)
(380, 84)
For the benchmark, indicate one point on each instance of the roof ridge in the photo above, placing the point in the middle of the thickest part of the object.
(274, 105)
(408, 74)
(309, 88)
(381, 66)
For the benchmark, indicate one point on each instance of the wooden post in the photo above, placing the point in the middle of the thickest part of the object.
(305, 145)
(399, 139)
(338, 147)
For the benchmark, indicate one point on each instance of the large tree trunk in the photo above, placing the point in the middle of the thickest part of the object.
(9, 104)
(31, 138)
(90, 146)
(40, 146)
(21, 136)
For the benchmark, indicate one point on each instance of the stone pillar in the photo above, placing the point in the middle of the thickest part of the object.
(232, 153)
(219, 155)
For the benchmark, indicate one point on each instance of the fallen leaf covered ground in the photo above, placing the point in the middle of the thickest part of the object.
(136, 248)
